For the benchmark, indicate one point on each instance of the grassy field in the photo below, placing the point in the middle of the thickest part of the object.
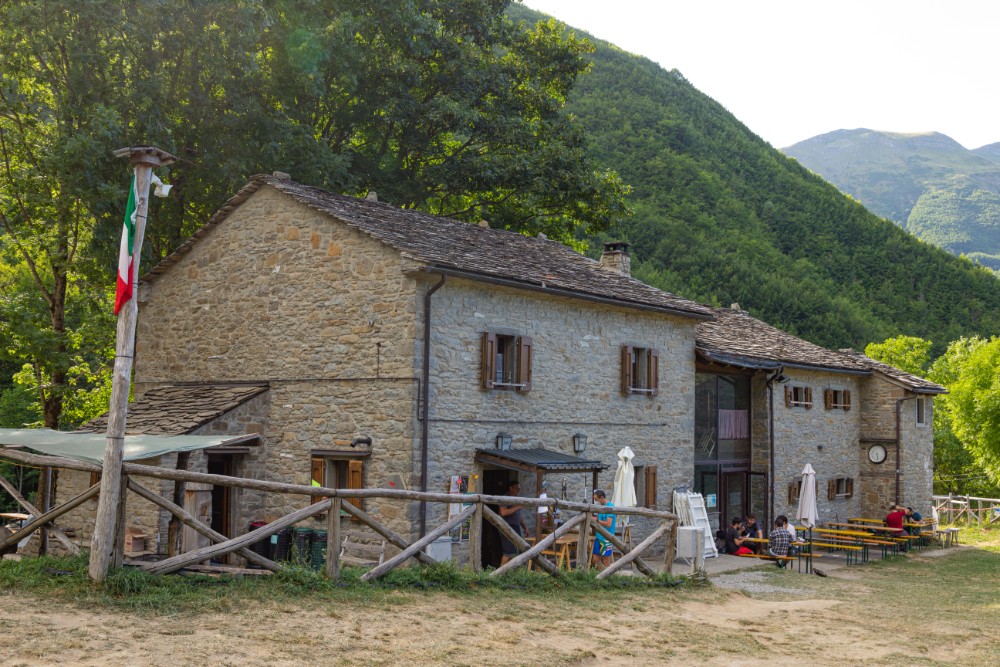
(935, 607)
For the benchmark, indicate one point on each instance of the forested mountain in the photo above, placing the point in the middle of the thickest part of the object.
(721, 216)
(930, 184)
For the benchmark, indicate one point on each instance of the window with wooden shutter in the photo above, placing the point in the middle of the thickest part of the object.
(841, 488)
(828, 398)
(794, 489)
(847, 399)
(809, 397)
(506, 362)
(788, 396)
(831, 490)
(640, 370)
(837, 399)
(798, 396)
(650, 499)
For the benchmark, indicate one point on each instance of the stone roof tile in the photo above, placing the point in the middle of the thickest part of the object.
(912, 382)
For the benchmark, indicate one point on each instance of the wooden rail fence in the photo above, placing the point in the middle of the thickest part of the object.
(332, 505)
(981, 511)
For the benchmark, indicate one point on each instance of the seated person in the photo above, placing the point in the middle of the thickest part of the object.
(913, 516)
(894, 519)
(734, 539)
(754, 529)
(779, 540)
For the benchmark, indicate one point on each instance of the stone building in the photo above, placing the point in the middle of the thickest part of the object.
(369, 346)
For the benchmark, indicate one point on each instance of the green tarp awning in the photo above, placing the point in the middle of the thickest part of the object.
(87, 446)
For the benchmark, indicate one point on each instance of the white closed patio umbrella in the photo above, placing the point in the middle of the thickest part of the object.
(623, 495)
(808, 514)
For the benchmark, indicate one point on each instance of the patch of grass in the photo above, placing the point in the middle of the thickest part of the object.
(132, 589)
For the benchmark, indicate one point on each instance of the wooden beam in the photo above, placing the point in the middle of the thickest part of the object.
(173, 528)
(390, 537)
(536, 550)
(333, 540)
(189, 520)
(633, 555)
(476, 539)
(642, 565)
(34, 511)
(419, 545)
(583, 544)
(214, 550)
(516, 539)
(40, 521)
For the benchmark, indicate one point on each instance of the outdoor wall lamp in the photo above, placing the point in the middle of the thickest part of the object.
(579, 443)
(363, 440)
(504, 440)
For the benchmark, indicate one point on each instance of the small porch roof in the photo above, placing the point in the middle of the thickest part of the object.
(538, 460)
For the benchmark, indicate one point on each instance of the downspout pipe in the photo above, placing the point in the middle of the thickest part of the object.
(770, 427)
(899, 463)
(425, 382)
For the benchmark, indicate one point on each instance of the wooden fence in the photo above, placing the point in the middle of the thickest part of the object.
(478, 511)
(972, 510)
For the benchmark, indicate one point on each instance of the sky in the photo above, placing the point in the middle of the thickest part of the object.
(794, 69)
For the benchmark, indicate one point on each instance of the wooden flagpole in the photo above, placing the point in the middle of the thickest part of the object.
(111, 501)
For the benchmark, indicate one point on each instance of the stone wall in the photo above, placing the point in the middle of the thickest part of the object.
(826, 439)
(576, 387)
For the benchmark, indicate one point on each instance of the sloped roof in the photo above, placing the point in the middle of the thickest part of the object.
(180, 409)
(913, 382)
(447, 244)
(734, 337)
(541, 459)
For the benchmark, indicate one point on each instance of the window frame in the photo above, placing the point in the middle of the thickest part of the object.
(353, 472)
(920, 412)
(646, 360)
(791, 401)
(840, 487)
(837, 398)
(515, 360)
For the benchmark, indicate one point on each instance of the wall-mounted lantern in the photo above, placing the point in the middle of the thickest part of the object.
(504, 440)
(579, 443)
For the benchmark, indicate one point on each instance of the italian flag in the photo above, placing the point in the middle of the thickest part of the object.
(126, 276)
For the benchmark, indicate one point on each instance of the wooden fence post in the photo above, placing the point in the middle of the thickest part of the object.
(583, 544)
(333, 540)
(476, 539)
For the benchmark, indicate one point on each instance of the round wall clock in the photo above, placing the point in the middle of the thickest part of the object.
(876, 454)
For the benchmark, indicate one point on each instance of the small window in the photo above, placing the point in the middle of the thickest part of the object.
(840, 488)
(794, 491)
(837, 399)
(922, 411)
(337, 473)
(506, 362)
(798, 396)
(640, 370)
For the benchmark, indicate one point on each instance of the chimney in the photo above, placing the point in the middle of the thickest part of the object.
(616, 258)
(281, 176)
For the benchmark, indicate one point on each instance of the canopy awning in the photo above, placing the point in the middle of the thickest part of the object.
(89, 446)
(535, 460)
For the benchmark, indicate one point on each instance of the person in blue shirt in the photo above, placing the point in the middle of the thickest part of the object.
(601, 556)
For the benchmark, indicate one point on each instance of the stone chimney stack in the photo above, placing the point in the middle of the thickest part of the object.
(616, 258)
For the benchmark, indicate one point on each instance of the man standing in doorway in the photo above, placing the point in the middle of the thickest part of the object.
(601, 556)
(514, 517)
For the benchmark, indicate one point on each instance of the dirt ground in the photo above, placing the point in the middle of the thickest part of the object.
(796, 620)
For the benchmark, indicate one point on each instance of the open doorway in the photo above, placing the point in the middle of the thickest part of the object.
(495, 483)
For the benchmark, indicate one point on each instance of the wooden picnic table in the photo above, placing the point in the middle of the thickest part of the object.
(14, 516)
(857, 519)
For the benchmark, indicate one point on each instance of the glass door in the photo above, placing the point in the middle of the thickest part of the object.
(734, 495)
(706, 482)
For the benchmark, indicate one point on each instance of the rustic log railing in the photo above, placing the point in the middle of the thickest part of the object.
(332, 504)
(982, 511)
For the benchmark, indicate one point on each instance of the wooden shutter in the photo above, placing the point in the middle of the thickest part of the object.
(626, 369)
(489, 360)
(318, 474)
(793, 492)
(788, 396)
(651, 487)
(808, 396)
(828, 398)
(654, 372)
(524, 363)
(847, 399)
(850, 487)
(95, 477)
(355, 479)
(831, 489)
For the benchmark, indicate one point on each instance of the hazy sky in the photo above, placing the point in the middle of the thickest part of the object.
(792, 69)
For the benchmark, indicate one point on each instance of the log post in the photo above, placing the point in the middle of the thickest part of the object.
(476, 540)
(103, 544)
(333, 540)
(46, 498)
(118, 555)
(582, 550)
(174, 527)
(671, 551)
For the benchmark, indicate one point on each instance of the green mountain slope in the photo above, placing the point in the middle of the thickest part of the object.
(723, 217)
(931, 185)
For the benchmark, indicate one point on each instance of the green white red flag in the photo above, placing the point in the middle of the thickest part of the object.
(126, 275)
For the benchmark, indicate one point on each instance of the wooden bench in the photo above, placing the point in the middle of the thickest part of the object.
(355, 551)
(851, 549)
(781, 560)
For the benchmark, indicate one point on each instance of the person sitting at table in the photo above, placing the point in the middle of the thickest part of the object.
(913, 516)
(894, 519)
(754, 529)
(735, 540)
(778, 541)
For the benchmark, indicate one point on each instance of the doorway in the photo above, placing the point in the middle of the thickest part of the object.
(495, 483)
(222, 496)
